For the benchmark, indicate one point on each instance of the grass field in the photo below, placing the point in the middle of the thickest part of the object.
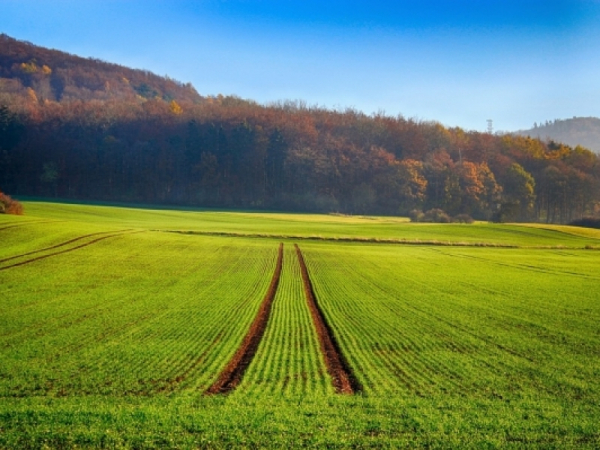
(112, 329)
(317, 226)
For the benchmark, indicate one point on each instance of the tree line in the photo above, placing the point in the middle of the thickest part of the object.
(232, 153)
(85, 129)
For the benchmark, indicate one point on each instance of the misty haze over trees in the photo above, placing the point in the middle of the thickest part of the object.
(84, 129)
(584, 131)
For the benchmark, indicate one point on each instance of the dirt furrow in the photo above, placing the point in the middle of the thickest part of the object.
(233, 373)
(341, 374)
(64, 251)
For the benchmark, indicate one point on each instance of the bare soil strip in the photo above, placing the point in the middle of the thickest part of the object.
(65, 251)
(233, 373)
(57, 245)
(340, 371)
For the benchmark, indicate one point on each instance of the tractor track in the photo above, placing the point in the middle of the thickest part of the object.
(234, 371)
(340, 371)
(30, 222)
(70, 241)
(22, 263)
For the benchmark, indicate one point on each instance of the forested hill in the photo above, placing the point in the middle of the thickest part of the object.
(584, 131)
(28, 71)
(233, 153)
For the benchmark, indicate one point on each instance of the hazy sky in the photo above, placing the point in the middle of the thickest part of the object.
(457, 62)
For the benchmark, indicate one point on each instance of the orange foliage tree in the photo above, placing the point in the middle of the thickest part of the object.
(9, 206)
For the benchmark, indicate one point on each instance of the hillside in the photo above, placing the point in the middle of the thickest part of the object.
(73, 128)
(31, 72)
(584, 131)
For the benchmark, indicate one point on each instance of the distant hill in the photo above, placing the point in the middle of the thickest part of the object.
(584, 131)
(77, 128)
(31, 72)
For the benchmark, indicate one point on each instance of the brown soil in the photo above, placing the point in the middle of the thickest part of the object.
(341, 374)
(233, 373)
(64, 251)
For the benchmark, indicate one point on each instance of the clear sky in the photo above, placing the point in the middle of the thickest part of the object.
(458, 62)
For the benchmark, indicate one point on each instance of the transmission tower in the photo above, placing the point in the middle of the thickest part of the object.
(490, 128)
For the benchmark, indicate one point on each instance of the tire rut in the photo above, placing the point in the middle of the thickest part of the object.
(233, 373)
(31, 222)
(65, 250)
(70, 241)
(529, 267)
(340, 371)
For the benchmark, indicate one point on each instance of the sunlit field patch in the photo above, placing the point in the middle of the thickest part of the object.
(112, 330)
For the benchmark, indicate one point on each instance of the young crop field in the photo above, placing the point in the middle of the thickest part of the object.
(315, 227)
(272, 330)
(428, 321)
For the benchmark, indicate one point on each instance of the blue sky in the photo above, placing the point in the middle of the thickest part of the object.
(457, 62)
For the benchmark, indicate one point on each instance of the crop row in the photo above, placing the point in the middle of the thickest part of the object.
(420, 322)
(154, 313)
(232, 374)
(93, 333)
(289, 359)
(339, 371)
(157, 317)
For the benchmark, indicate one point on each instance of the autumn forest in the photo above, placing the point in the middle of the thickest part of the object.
(76, 128)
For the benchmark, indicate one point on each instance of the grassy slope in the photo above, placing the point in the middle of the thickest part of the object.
(328, 226)
(455, 347)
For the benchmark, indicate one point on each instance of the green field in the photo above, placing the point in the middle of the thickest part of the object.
(115, 321)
